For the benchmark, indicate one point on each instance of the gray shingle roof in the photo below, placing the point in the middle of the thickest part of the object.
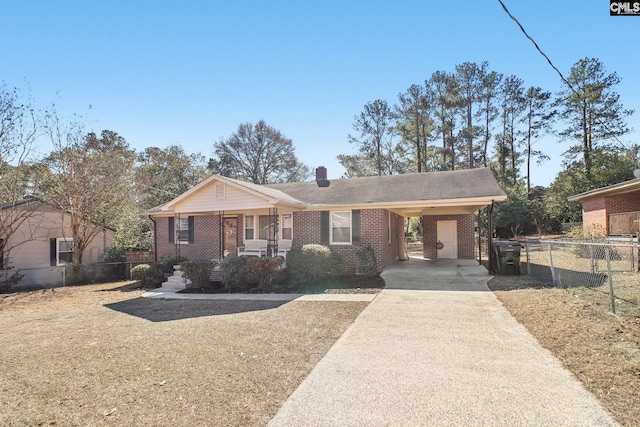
(447, 185)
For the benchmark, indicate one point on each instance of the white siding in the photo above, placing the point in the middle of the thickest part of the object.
(205, 201)
(30, 248)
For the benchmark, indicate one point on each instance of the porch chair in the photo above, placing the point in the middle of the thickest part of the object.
(284, 246)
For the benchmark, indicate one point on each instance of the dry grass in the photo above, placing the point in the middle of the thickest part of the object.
(102, 355)
(601, 348)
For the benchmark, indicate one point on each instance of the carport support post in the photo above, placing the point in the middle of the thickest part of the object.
(490, 236)
(479, 239)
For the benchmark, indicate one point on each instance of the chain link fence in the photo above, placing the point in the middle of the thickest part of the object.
(608, 266)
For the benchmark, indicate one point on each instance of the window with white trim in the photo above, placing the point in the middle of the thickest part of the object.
(286, 226)
(64, 251)
(340, 227)
(182, 229)
(267, 225)
(249, 227)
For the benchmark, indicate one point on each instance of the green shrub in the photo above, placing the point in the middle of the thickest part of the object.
(367, 263)
(234, 275)
(311, 263)
(115, 254)
(199, 272)
(146, 274)
(264, 270)
(166, 265)
(9, 281)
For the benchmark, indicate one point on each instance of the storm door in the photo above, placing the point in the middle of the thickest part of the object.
(230, 237)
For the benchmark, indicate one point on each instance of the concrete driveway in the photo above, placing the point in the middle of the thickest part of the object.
(436, 348)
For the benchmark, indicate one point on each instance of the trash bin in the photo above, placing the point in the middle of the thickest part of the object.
(506, 257)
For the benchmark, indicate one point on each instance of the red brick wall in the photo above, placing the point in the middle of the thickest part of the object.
(466, 235)
(206, 243)
(374, 225)
(622, 203)
(596, 210)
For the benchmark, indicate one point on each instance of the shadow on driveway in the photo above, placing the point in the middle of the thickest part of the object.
(164, 310)
(419, 274)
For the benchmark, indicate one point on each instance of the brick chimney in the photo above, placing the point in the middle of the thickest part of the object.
(321, 177)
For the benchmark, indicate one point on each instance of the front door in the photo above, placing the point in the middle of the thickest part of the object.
(230, 237)
(447, 235)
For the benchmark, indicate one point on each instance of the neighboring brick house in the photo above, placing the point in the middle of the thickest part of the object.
(218, 215)
(615, 209)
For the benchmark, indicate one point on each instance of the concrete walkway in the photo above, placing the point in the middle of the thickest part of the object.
(436, 348)
(168, 293)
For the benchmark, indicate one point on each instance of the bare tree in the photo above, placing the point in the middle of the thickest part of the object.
(18, 130)
(258, 154)
(88, 177)
(161, 174)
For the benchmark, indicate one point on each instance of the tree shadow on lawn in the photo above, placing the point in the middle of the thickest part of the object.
(162, 310)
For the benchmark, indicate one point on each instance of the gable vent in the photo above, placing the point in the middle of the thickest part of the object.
(220, 190)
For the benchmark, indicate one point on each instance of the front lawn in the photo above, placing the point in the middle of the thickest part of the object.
(602, 349)
(103, 355)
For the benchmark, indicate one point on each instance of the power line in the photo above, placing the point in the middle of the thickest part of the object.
(535, 44)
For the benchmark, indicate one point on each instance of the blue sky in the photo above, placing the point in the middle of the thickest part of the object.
(161, 73)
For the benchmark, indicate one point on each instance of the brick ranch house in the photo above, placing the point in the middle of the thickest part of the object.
(616, 208)
(214, 218)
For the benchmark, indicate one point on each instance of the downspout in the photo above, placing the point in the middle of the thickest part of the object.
(490, 236)
(479, 228)
(155, 239)
(221, 234)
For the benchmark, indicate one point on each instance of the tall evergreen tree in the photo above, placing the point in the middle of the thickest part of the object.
(512, 106)
(469, 77)
(375, 142)
(489, 92)
(443, 90)
(538, 118)
(414, 122)
(591, 110)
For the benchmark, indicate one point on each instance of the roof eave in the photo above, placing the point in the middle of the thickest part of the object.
(611, 190)
(485, 201)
